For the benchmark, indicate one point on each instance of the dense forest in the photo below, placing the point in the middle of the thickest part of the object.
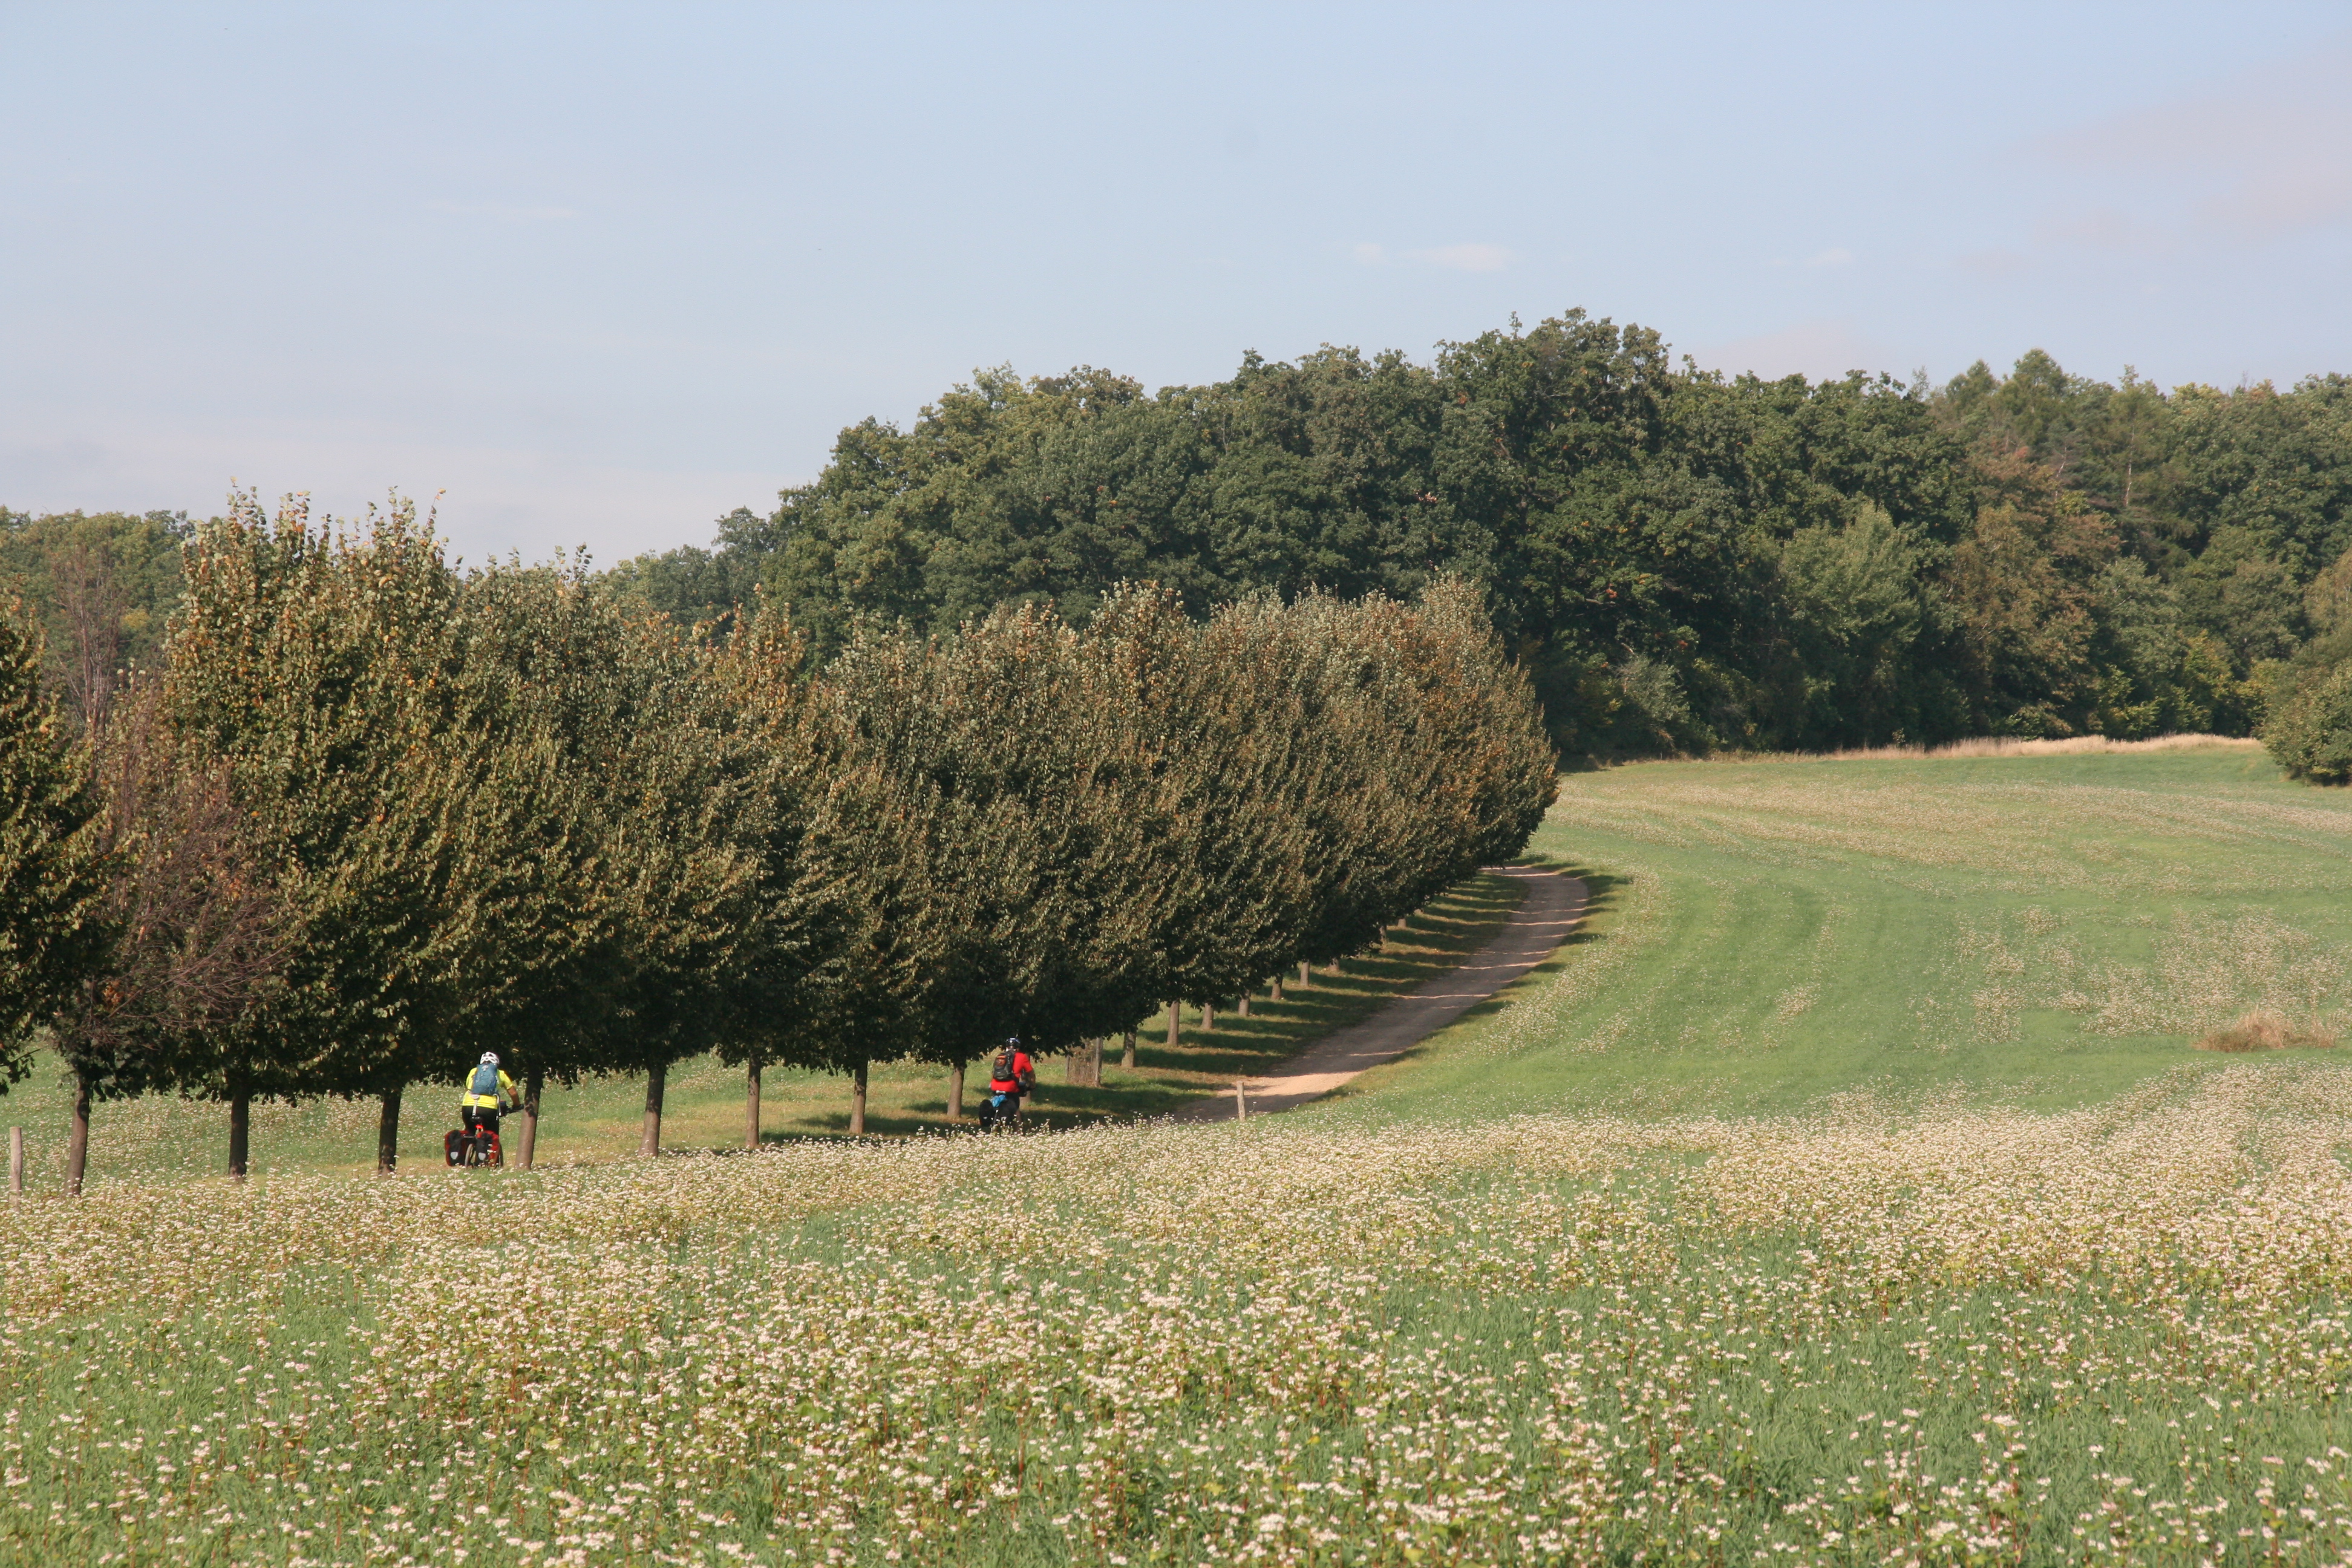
(1684, 562)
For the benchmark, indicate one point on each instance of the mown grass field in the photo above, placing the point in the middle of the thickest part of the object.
(2044, 930)
(1848, 1193)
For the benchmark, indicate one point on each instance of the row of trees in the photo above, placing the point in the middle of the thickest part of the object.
(369, 817)
(1684, 562)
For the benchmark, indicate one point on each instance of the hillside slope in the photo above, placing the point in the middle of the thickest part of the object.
(2042, 929)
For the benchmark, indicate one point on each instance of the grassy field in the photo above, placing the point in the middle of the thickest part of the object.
(1848, 1192)
(2044, 930)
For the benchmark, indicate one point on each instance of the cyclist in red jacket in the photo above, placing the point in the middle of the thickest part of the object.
(1013, 1075)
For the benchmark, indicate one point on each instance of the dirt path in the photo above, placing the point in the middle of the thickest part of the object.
(1552, 906)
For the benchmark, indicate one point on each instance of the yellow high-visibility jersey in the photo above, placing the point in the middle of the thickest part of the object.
(469, 1100)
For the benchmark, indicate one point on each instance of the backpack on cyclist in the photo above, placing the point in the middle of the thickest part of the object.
(485, 1082)
(1007, 1060)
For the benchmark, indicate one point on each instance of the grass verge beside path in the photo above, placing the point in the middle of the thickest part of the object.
(601, 1118)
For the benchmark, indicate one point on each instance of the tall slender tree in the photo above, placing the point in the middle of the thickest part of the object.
(55, 863)
(1218, 779)
(195, 945)
(815, 935)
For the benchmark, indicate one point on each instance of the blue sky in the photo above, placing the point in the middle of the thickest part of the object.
(598, 274)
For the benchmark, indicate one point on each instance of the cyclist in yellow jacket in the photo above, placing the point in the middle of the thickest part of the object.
(489, 1092)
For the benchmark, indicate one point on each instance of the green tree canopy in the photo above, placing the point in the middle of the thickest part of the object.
(54, 861)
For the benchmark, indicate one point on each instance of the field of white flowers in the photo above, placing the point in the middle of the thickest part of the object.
(1868, 1335)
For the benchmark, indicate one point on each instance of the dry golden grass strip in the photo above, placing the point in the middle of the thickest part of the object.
(2264, 1030)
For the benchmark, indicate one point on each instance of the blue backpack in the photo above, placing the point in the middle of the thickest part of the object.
(486, 1082)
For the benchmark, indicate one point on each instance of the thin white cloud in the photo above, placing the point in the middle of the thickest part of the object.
(1835, 256)
(2294, 195)
(1995, 263)
(2261, 156)
(1468, 258)
(491, 498)
(2098, 228)
(1822, 350)
(1371, 255)
(501, 212)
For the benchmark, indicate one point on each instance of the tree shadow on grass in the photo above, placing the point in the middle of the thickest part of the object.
(1605, 895)
(1432, 942)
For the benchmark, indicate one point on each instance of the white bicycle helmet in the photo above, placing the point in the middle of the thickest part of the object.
(490, 1059)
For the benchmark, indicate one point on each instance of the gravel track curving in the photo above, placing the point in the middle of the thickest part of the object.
(1553, 904)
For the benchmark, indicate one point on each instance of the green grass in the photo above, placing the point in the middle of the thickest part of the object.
(2044, 930)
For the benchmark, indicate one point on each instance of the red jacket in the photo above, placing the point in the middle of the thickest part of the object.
(1024, 1076)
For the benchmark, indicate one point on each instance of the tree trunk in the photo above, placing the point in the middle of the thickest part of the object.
(1083, 1065)
(1127, 1056)
(857, 1101)
(76, 1142)
(240, 1132)
(1277, 993)
(1305, 976)
(656, 1084)
(1208, 1017)
(1175, 1016)
(1242, 1009)
(533, 1080)
(752, 1105)
(955, 1092)
(387, 1134)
